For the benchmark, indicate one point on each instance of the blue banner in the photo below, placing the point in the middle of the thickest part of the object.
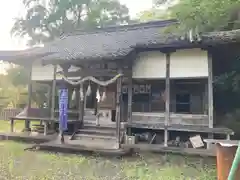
(63, 107)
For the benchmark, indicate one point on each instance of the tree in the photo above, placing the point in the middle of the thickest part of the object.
(44, 22)
(17, 75)
(203, 15)
(159, 11)
(154, 14)
(14, 91)
(206, 15)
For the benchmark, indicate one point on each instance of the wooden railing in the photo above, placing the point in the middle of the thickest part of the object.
(158, 118)
(5, 114)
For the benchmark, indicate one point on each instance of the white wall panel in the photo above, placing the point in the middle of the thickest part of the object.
(150, 65)
(189, 63)
(45, 73)
(40, 72)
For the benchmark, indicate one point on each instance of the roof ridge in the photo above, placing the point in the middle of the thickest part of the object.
(149, 24)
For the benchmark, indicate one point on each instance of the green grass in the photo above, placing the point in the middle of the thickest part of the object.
(17, 164)
(18, 125)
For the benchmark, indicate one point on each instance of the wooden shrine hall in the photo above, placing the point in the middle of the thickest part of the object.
(131, 82)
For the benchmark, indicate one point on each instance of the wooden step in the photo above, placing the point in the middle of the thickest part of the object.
(94, 137)
(37, 125)
(75, 147)
(102, 127)
(97, 132)
(38, 130)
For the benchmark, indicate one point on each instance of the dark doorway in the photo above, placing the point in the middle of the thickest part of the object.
(182, 103)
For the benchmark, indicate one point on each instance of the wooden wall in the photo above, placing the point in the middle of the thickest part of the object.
(154, 101)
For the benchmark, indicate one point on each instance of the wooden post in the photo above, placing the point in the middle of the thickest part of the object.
(118, 109)
(81, 104)
(210, 95)
(49, 97)
(167, 99)
(77, 97)
(53, 92)
(48, 101)
(205, 99)
(130, 86)
(12, 125)
(45, 132)
(27, 122)
(210, 92)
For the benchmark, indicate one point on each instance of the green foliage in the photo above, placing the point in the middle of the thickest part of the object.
(14, 91)
(204, 15)
(43, 23)
(12, 85)
(154, 14)
(18, 76)
(231, 120)
(207, 15)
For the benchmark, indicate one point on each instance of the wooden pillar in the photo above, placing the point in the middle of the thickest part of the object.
(53, 95)
(167, 99)
(77, 97)
(81, 104)
(130, 94)
(118, 109)
(27, 122)
(210, 91)
(205, 98)
(49, 97)
(210, 97)
(54, 83)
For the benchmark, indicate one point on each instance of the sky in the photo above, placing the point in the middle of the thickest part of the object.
(10, 9)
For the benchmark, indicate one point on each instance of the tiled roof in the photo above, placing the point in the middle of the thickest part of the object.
(117, 42)
(105, 43)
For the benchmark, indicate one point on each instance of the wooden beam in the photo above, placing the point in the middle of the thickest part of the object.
(95, 73)
(27, 123)
(167, 99)
(118, 109)
(210, 91)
